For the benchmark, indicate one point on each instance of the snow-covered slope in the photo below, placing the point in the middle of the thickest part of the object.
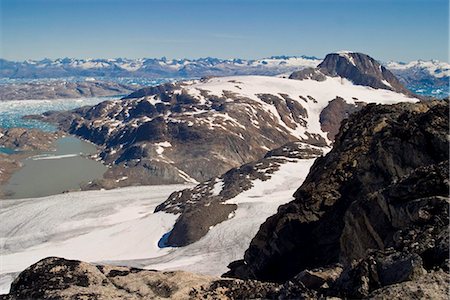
(229, 121)
(119, 227)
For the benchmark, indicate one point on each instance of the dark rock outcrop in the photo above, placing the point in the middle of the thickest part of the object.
(333, 114)
(383, 186)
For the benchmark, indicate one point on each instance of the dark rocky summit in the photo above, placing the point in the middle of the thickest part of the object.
(383, 189)
(359, 68)
(63, 89)
(204, 205)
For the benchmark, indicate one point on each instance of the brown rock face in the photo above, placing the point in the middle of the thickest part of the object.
(384, 185)
(336, 111)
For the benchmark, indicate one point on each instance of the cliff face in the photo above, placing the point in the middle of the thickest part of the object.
(383, 186)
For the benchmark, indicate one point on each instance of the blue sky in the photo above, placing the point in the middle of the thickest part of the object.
(401, 30)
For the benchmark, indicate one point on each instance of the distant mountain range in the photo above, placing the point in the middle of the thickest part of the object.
(428, 78)
(153, 67)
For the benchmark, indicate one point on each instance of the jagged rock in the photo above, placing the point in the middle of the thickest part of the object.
(384, 184)
(431, 286)
(319, 278)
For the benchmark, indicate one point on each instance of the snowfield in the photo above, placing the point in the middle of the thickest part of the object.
(119, 227)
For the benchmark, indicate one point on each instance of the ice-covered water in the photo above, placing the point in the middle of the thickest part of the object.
(11, 112)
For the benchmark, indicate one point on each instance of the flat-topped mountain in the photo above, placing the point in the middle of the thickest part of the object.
(195, 130)
(359, 68)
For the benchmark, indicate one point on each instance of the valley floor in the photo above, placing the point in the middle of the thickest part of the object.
(119, 227)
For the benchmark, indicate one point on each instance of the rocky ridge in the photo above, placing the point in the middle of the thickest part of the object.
(149, 136)
(205, 205)
(58, 278)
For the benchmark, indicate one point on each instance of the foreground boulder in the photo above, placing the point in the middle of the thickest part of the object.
(58, 278)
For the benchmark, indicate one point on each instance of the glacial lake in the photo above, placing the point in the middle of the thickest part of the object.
(54, 172)
(51, 172)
